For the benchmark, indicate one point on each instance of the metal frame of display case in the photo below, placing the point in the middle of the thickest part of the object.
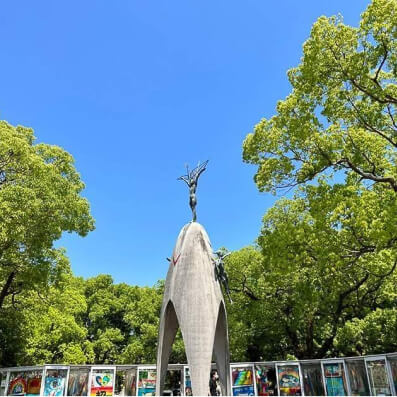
(182, 367)
(387, 368)
(287, 363)
(100, 367)
(79, 367)
(185, 367)
(171, 367)
(46, 367)
(126, 367)
(7, 382)
(336, 361)
(143, 368)
(389, 357)
(352, 360)
(268, 363)
(242, 365)
(310, 362)
(22, 369)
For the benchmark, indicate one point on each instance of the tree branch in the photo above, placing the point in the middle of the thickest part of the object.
(369, 175)
(340, 306)
(6, 287)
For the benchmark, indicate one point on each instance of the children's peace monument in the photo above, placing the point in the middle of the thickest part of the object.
(193, 302)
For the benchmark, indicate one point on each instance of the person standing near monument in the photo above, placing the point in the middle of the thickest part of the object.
(214, 384)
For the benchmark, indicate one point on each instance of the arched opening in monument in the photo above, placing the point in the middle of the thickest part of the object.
(168, 332)
(221, 350)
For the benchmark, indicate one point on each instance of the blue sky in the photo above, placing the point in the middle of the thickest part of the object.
(136, 89)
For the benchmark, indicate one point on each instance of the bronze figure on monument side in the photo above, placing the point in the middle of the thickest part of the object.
(220, 272)
(191, 179)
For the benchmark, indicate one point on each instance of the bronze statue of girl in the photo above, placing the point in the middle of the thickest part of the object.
(191, 179)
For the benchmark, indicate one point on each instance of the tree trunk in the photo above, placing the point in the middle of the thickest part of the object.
(6, 287)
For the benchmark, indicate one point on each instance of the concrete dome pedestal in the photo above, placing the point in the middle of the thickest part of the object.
(194, 303)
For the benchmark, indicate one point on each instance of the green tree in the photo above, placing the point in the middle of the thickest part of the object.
(47, 326)
(104, 317)
(53, 327)
(341, 113)
(40, 197)
(329, 254)
(319, 277)
(122, 322)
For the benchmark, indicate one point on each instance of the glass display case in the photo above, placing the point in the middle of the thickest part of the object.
(146, 381)
(335, 378)
(358, 380)
(393, 371)
(3, 382)
(374, 375)
(130, 382)
(173, 382)
(55, 381)
(78, 381)
(289, 379)
(25, 382)
(187, 382)
(266, 379)
(312, 379)
(242, 377)
(125, 384)
(102, 381)
(378, 377)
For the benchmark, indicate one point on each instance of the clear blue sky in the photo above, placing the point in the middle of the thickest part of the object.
(134, 90)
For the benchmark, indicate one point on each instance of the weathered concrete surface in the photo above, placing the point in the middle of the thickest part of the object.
(193, 301)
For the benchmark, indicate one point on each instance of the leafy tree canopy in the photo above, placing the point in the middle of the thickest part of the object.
(318, 276)
(40, 197)
(326, 283)
(341, 113)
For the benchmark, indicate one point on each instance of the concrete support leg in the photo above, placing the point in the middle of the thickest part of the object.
(168, 329)
(199, 359)
(221, 351)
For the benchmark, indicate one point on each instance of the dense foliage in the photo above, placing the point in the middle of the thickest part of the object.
(327, 281)
(40, 197)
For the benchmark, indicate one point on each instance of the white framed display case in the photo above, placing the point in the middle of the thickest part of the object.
(242, 378)
(55, 380)
(360, 375)
(146, 380)
(78, 381)
(357, 375)
(4, 375)
(126, 380)
(101, 381)
(392, 363)
(312, 378)
(289, 378)
(335, 377)
(24, 380)
(379, 376)
(265, 379)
